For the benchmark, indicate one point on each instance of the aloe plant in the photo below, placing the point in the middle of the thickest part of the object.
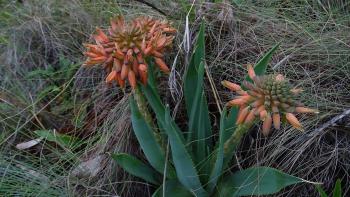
(198, 164)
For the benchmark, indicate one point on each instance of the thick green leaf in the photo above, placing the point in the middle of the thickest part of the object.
(185, 170)
(321, 191)
(196, 104)
(61, 139)
(256, 181)
(136, 167)
(172, 189)
(260, 67)
(217, 169)
(337, 189)
(230, 123)
(144, 134)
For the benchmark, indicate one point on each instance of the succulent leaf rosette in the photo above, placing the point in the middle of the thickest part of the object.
(268, 98)
(123, 51)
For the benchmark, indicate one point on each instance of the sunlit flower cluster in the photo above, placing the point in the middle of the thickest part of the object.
(268, 98)
(124, 49)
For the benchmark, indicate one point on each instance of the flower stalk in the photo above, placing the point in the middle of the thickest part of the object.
(232, 143)
(143, 108)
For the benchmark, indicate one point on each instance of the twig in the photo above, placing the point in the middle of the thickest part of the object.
(333, 121)
(152, 6)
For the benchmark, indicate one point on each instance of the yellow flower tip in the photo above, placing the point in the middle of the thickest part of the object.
(294, 121)
(251, 71)
(306, 110)
(231, 86)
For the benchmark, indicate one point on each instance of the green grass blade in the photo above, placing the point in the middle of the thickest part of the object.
(136, 167)
(217, 169)
(172, 189)
(185, 170)
(337, 189)
(144, 134)
(321, 191)
(61, 139)
(256, 181)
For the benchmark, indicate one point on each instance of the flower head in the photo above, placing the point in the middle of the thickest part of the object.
(123, 51)
(268, 98)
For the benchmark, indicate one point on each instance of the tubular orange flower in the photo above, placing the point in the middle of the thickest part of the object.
(242, 115)
(269, 97)
(294, 121)
(251, 71)
(123, 51)
(267, 125)
(276, 120)
(305, 110)
(231, 86)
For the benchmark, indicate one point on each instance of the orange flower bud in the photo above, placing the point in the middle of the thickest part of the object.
(101, 36)
(99, 59)
(296, 90)
(117, 66)
(132, 79)
(162, 66)
(157, 54)
(251, 71)
(236, 102)
(112, 76)
(135, 67)
(124, 72)
(266, 128)
(90, 54)
(251, 116)
(120, 81)
(306, 110)
(148, 50)
(169, 30)
(231, 86)
(143, 73)
(242, 115)
(294, 121)
(263, 114)
(276, 120)
(161, 42)
(257, 103)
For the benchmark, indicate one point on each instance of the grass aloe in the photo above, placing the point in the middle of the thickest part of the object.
(198, 164)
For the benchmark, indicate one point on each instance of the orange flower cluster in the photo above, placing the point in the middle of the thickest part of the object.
(269, 98)
(124, 49)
